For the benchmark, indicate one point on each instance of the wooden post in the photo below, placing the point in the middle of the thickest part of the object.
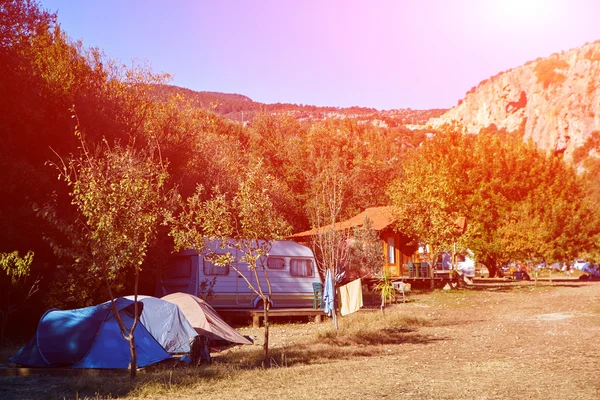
(255, 320)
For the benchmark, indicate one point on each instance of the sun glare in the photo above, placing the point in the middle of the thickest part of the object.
(523, 11)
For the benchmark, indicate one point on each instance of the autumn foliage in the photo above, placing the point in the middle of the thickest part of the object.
(513, 196)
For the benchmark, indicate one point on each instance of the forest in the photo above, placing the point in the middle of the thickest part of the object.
(95, 163)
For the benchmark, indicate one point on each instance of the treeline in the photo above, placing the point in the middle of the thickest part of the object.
(53, 87)
(62, 102)
(520, 204)
(237, 107)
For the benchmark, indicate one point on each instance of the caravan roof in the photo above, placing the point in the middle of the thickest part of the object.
(278, 248)
(289, 248)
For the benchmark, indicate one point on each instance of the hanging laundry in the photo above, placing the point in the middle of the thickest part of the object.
(351, 299)
(328, 294)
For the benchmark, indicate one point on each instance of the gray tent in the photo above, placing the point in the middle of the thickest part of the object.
(205, 319)
(167, 324)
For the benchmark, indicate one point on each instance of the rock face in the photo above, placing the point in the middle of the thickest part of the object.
(556, 98)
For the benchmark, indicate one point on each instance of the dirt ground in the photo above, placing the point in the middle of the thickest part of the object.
(493, 342)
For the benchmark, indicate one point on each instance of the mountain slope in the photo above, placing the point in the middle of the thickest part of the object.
(238, 107)
(555, 100)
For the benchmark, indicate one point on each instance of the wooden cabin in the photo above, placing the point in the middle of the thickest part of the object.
(394, 245)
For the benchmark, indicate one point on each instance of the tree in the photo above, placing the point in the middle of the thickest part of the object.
(16, 270)
(365, 258)
(520, 203)
(247, 223)
(119, 197)
(329, 243)
(426, 196)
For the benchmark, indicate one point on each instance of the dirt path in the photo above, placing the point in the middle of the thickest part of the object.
(524, 343)
(527, 342)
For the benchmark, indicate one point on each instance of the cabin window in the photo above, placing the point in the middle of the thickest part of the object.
(179, 267)
(301, 267)
(212, 269)
(391, 251)
(275, 263)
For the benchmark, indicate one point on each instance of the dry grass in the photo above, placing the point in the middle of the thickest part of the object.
(526, 341)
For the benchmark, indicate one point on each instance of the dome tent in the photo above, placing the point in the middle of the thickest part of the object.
(166, 323)
(89, 337)
(205, 319)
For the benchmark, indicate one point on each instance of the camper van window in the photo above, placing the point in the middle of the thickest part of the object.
(275, 263)
(178, 267)
(212, 269)
(301, 267)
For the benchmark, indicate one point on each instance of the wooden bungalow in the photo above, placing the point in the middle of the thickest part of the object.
(398, 253)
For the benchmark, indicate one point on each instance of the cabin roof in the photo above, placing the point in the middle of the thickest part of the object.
(382, 217)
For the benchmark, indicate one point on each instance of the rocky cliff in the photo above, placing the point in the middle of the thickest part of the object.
(555, 100)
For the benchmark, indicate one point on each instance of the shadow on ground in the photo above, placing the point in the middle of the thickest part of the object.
(331, 347)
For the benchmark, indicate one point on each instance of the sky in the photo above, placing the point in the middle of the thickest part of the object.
(385, 54)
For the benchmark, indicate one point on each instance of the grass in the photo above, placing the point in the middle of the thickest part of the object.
(362, 334)
(426, 334)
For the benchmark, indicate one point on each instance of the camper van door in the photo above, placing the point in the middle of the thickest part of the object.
(244, 295)
(179, 275)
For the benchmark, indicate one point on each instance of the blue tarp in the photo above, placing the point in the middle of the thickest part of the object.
(89, 338)
(167, 324)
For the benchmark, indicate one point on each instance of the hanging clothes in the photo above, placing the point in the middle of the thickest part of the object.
(328, 294)
(351, 299)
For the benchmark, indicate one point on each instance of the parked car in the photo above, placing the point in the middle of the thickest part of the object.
(579, 264)
(541, 266)
(466, 265)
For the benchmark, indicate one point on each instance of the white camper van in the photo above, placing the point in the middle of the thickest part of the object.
(290, 266)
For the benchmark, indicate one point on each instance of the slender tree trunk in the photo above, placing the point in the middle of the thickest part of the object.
(127, 334)
(335, 305)
(266, 322)
(432, 276)
(133, 365)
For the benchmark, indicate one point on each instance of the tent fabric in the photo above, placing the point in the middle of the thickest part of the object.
(167, 324)
(205, 319)
(89, 337)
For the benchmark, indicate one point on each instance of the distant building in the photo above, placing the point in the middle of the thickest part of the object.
(395, 246)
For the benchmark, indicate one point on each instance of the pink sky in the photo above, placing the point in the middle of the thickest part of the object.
(381, 54)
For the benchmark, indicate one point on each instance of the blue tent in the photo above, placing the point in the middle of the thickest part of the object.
(167, 324)
(89, 338)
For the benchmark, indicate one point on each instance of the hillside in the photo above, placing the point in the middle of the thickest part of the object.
(240, 108)
(556, 100)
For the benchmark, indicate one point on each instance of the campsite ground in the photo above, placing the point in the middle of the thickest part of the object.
(519, 340)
